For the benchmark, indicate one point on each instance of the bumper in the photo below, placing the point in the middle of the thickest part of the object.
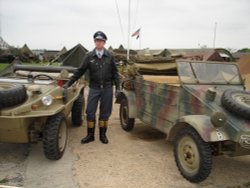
(14, 130)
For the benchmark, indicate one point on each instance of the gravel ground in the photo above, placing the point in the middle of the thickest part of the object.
(141, 158)
(13, 163)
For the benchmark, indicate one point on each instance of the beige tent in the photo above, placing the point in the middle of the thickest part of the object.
(203, 54)
(155, 65)
(155, 52)
(244, 64)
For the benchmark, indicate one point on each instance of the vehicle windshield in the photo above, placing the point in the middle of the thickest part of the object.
(208, 73)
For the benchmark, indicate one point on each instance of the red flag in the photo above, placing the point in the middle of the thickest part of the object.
(136, 33)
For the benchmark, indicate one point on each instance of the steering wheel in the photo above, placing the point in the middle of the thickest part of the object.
(43, 75)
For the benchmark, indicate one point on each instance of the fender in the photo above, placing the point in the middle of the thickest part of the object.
(24, 111)
(131, 98)
(203, 125)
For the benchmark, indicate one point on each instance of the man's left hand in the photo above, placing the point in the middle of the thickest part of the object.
(117, 93)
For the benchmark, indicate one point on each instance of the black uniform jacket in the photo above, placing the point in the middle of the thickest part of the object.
(102, 71)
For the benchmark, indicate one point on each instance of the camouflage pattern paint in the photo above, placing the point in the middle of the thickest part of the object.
(164, 106)
(235, 124)
(158, 103)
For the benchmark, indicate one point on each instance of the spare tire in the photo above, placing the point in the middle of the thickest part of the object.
(237, 102)
(12, 94)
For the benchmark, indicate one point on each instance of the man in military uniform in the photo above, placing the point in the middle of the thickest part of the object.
(103, 74)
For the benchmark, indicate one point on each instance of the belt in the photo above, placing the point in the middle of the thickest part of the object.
(101, 86)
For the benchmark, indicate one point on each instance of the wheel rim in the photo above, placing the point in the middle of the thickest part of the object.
(62, 136)
(188, 155)
(124, 115)
(242, 98)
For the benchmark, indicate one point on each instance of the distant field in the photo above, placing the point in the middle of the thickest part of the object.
(3, 66)
(42, 64)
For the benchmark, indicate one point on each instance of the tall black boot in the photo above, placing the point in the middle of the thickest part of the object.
(103, 136)
(103, 124)
(91, 133)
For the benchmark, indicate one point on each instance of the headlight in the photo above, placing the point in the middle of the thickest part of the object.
(47, 100)
(218, 119)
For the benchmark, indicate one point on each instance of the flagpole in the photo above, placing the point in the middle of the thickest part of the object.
(128, 48)
(215, 30)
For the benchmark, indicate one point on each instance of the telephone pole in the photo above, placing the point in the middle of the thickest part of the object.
(0, 18)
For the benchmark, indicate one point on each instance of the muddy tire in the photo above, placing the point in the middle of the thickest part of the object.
(55, 136)
(193, 156)
(12, 95)
(76, 112)
(127, 123)
(237, 102)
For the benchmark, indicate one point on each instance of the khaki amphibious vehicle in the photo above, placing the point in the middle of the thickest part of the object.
(204, 110)
(34, 107)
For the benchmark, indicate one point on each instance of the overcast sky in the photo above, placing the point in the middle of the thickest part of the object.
(52, 24)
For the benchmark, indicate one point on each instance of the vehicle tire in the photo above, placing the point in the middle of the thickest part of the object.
(76, 112)
(127, 123)
(12, 94)
(193, 156)
(55, 136)
(237, 102)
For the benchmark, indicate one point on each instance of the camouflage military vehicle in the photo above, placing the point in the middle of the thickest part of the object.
(34, 107)
(205, 111)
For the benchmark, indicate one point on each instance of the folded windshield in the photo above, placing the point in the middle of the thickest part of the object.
(209, 73)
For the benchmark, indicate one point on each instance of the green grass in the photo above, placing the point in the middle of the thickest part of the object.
(3, 66)
(5, 180)
(41, 64)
